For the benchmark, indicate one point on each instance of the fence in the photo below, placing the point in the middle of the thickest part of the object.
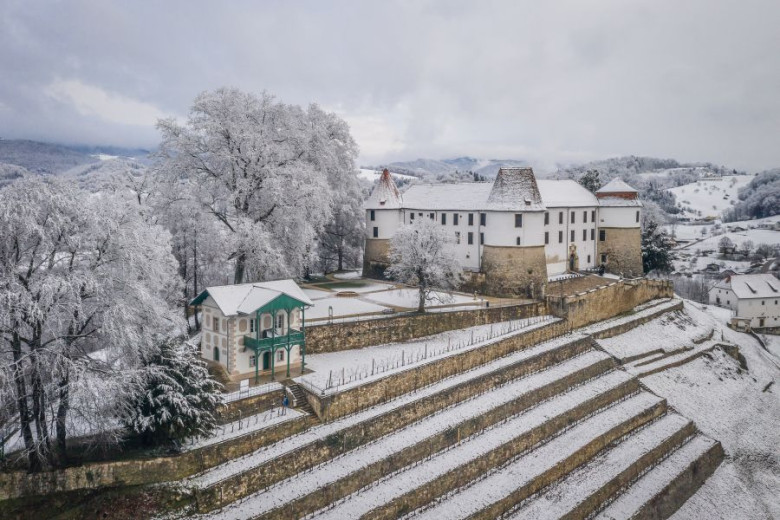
(251, 392)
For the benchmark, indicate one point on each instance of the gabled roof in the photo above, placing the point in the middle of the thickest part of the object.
(246, 298)
(752, 286)
(514, 189)
(565, 193)
(385, 194)
(616, 185)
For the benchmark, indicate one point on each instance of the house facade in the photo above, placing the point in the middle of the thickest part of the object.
(754, 298)
(517, 231)
(254, 329)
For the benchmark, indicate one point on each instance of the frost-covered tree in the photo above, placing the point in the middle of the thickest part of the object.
(177, 397)
(656, 249)
(422, 254)
(341, 244)
(726, 245)
(591, 181)
(264, 171)
(79, 275)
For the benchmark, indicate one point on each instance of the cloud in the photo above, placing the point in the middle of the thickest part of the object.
(93, 101)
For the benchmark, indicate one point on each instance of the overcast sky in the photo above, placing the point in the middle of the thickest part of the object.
(550, 82)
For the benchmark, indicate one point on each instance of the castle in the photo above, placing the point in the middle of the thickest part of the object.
(516, 233)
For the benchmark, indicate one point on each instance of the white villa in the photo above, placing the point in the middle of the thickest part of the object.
(254, 329)
(754, 298)
(516, 231)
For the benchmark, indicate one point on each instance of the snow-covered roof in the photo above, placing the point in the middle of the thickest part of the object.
(515, 188)
(565, 193)
(470, 196)
(612, 202)
(752, 286)
(385, 194)
(616, 186)
(246, 298)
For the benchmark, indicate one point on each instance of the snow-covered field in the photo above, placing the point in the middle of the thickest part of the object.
(372, 175)
(341, 307)
(408, 298)
(709, 197)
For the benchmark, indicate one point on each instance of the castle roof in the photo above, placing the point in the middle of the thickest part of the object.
(565, 194)
(385, 194)
(515, 188)
(616, 185)
(246, 298)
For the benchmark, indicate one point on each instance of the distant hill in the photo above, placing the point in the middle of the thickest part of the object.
(431, 169)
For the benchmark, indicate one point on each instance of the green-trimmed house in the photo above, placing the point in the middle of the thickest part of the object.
(255, 329)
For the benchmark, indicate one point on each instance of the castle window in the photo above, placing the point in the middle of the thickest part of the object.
(411, 217)
(483, 219)
(457, 237)
(481, 238)
(546, 237)
(588, 258)
(471, 219)
(584, 235)
(593, 215)
(376, 232)
(455, 219)
(573, 217)
(560, 237)
(602, 235)
(572, 234)
(373, 215)
(637, 216)
(518, 220)
(470, 238)
(443, 219)
(546, 218)
(585, 217)
(593, 234)
(432, 216)
(603, 258)
(560, 217)
(518, 241)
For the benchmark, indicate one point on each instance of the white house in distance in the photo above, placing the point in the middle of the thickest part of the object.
(752, 297)
(516, 231)
(254, 329)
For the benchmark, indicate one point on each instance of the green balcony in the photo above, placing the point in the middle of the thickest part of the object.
(260, 345)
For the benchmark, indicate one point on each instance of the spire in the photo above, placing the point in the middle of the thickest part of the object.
(516, 188)
(385, 194)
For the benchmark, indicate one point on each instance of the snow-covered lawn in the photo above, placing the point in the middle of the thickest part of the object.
(757, 236)
(772, 342)
(709, 197)
(347, 275)
(335, 371)
(408, 298)
(317, 294)
(341, 307)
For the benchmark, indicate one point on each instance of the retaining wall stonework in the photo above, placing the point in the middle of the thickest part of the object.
(622, 328)
(359, 334)
(250, 405)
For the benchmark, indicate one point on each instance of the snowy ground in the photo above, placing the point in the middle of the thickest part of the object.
(710, 197)
(408, 298)
(336, 371)
(245, 425)
(341, 307)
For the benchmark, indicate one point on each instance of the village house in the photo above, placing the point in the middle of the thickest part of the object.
(254, 329)
(754, 299)
(516, 232)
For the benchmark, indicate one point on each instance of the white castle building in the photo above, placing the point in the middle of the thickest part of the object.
(516, 232)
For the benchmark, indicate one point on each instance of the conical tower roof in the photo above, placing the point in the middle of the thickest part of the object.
(385, 194)
(515, 189)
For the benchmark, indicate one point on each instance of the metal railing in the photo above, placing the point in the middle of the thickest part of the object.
(251, 392)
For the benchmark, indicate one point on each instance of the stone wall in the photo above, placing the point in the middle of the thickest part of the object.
(250, 405)
(514, 271)
(376, 257)
(623, 247)
(622, 328)
(359, 334)
(332, 406)
(607, 302)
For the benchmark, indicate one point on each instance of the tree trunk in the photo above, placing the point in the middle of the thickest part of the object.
(240, 267)
(421, 302)
(195, 276)
(39, 409)
(62, 415)
(21, 403)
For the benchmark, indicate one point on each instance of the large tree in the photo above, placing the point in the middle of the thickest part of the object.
(591, 181)
(656, 248)
(78, 274)
(264, 171)
(422, 254)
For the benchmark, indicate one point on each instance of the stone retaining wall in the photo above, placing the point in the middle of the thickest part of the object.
(622, 328)
(250, 406)
(359, 334)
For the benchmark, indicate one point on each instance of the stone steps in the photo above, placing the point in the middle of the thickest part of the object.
(243, 476)
(498, 492)
(663, 489)
(347, 474)
(417, 485)
(584, 490)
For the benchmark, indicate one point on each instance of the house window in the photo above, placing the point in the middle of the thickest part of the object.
(215, 324)
(481, 238)
(280, 355)
(602, 235)
(518, 241)
(373, 215)
(637, 216)
(280, 321)
(573, 217)
(457, 237)
(593, 215)
(518, 220)
(546, 218)
(252, 361)
(585, 217)
(572, 234)
(455, 219)
(443, 219)
(584, 235)
(546, 237)
(593, 234)
(560, 217)
(376, 232)
(470, 238)
(560, 237)
(471, 219)
(483, 219)
(411, 217)
(603, 258)
(251, 325)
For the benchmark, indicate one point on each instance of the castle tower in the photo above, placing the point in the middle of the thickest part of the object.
(383, 217)
(619, 244)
